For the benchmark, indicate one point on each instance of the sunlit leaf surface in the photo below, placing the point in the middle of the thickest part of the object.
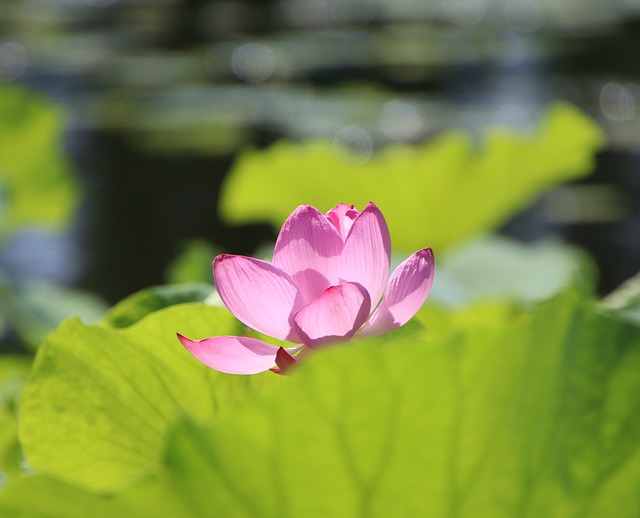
(100, 401)
(437, 195)
(40, 496)
(537, 418)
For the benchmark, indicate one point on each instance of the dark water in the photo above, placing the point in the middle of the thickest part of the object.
(163, 94)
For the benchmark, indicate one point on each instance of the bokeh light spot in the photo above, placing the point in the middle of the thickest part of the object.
(253, 62)
(99, 3)
(523, 15)
(465, 13)
(400, 120)
(617, 103)
(353, 145)
(13, 60)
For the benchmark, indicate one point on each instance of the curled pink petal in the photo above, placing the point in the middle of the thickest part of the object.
(258, 294)
(342, 216)
(232, 354)
(308, 249)
(366, 257)
(406, 291)
(284, 361)
(334, 316)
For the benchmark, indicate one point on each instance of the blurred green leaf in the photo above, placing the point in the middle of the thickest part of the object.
(441, 322)
(499, 268)
(436, 195)
(137, 306)
(625, 301)
(13, 375)
(39, 496)
(100, 401)
(37, 308)
(10, 453)
(193, 264)
(35, 178)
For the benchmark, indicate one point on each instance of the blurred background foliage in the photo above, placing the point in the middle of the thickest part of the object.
(139, 139)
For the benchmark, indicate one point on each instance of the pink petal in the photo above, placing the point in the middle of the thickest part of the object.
(366, 257)
(342, 217)
(284, 361)
(232, 354)
(258, 294)
(334, 316)
(308, 249)
(406, 291)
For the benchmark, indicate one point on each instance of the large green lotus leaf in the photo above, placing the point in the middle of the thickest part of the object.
(34, 174)
(100, 401)
(536, 419)
(135, 307)
(435, 195)
(541, 419)
(441, 322)
(39, 496)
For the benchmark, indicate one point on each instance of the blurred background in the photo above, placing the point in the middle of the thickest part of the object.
(155, 100)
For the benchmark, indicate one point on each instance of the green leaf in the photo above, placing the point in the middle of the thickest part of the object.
(193, 264)
(13, 375)
(441, 322)
(10, 452)
(38, 496)
(436, 195)
(625, 301)
(536, 420)
(36, 308)
(100, 401)
(496, 267)
(135, 307)
(35, 176)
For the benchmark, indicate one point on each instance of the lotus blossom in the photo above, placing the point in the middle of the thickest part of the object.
(328, 282)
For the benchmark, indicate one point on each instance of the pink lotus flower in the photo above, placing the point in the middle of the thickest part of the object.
(324, 285)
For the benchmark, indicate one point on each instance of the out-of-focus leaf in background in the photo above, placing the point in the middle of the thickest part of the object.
(499, 422)
(13, 376)
(35, 180)
(499, 268)
(36, 308)
(437, 195)
(37, 189)
(101, 401)
(193, 263)
(625, 301)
